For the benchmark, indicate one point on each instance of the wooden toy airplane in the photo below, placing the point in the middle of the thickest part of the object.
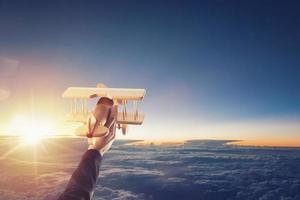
(79, 112)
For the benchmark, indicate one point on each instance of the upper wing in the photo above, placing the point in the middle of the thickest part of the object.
(114, 93)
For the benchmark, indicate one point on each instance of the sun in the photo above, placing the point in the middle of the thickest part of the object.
(31, 129)
(31, 139)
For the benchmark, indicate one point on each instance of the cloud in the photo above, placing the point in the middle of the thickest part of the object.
(196, 170)
(103, 193)
(206, 170)
(8, 194)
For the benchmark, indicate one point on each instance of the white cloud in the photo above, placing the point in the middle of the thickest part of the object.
(104, 193)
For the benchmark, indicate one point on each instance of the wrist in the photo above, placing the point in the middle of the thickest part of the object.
(92, 147)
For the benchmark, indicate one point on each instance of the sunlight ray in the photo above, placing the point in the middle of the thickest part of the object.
(10, 151)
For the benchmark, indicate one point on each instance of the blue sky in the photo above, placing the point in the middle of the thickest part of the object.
(200, 61)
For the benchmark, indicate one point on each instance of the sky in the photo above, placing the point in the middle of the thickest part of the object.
(212, 69)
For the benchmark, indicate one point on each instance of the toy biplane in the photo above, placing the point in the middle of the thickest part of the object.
(79, 111)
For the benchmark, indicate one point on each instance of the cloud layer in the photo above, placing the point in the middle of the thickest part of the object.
(196, 170)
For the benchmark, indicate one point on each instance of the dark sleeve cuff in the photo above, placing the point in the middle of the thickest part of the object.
(91, 154)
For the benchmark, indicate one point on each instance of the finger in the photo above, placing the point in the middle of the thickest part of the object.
(100, 131)
(109, 137)
(101, 113)
(109, 143)
(106, 148)
(110, 140)
(112, 116)
(106, 137)
(113, 128)
(106, 143)
(102, 140)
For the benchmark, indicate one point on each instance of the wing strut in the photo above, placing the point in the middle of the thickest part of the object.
(124, 108)
(135, 109)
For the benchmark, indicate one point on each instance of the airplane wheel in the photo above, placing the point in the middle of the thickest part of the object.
(124, 129)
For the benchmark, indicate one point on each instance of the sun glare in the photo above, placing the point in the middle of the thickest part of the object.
(31, 128)
(31, 139)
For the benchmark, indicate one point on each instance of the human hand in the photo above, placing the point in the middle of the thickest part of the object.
(105, 114)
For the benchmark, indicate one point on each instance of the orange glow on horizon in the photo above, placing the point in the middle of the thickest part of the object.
(268, 143)
(254, 143)
(51, 123)
(32, 127)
